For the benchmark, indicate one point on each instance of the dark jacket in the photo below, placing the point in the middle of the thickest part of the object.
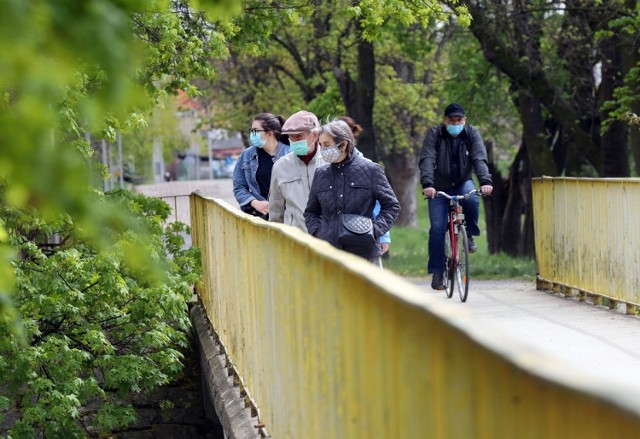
(435, 158)
(352, 186)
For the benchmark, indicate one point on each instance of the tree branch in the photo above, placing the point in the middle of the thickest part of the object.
(531, 76)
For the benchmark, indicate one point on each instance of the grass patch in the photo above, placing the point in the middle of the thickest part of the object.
(409, 253)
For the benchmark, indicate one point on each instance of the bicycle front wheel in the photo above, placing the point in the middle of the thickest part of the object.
(449, 283)
(461, 274)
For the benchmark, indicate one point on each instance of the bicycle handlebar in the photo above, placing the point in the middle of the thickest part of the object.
(458, 197)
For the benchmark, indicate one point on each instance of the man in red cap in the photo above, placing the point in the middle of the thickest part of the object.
(292, 175)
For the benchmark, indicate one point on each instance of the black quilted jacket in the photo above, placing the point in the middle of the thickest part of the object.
(352, 186)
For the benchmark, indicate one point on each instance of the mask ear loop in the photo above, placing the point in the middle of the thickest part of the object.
(346, 147)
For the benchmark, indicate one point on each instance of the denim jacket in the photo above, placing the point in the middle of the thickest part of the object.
(245, 186)
(386, 238)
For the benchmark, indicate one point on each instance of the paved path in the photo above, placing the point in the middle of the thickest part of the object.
(588, 338)
(591, 339)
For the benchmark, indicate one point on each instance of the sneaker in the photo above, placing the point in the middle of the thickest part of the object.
(472, 245)
(437, 281)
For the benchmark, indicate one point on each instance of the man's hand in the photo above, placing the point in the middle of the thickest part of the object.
(385, 247)
(486, 189)
(260, 206)
(430, 192)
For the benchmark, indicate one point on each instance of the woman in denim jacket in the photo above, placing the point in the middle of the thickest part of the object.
(252, 174)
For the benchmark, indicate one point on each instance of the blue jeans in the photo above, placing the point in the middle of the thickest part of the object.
(438, 215)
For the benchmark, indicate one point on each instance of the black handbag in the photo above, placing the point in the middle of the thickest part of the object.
(355, 231)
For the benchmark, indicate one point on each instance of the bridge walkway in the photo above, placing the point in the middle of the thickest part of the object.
(593, 345)
(592, 340)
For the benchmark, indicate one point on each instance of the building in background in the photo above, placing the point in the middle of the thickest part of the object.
(212, 152)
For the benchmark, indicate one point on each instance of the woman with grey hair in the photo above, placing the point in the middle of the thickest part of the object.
(346, 191)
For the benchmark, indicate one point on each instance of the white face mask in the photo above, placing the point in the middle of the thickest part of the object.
(331, 153)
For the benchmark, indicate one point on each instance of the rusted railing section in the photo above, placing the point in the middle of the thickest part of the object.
(588, 239)
(328, 346)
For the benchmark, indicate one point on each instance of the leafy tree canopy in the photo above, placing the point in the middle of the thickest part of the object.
(100, 291)
(70, 68)
(98, 326)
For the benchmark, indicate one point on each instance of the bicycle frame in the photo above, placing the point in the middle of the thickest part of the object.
(456, 223)
(456, 217)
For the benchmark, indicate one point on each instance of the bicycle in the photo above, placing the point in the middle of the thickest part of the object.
(456, 247)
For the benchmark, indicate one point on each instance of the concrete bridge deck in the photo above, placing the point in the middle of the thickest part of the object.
(589, 339)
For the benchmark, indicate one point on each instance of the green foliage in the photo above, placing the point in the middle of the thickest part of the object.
(101, 312)
(97, 325)
(69, 68)
(162, 124)
(328, 104)
(408, 85)
(180, 41)
(484, 93)
(373, 14)
(250, 33)
(296, 56)
(626, 102)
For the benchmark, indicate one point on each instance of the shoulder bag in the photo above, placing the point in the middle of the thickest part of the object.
(355, 231)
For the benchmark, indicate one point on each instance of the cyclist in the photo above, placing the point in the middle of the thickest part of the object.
(450, 152)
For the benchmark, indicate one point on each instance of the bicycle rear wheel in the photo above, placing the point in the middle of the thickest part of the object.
(462, 267)
(448, 266)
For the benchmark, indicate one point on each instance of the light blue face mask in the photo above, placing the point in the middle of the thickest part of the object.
(455, 130)
(300, 147)
(256, 140)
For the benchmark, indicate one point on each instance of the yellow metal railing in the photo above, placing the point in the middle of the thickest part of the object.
(331, 347)
(587, 236)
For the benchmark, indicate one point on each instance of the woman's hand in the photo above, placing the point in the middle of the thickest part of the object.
(260, 206)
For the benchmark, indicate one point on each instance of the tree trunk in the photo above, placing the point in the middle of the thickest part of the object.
(358, 96)
(362, 111)
(510, 231)
(528, 245)
(534, 158)
(403, 174)
(509, 210)
(533, 134)
(494, 206)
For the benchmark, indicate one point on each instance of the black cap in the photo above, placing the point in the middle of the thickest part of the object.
(453, 110)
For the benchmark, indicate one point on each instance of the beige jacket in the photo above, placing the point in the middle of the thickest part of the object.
(290, 186)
